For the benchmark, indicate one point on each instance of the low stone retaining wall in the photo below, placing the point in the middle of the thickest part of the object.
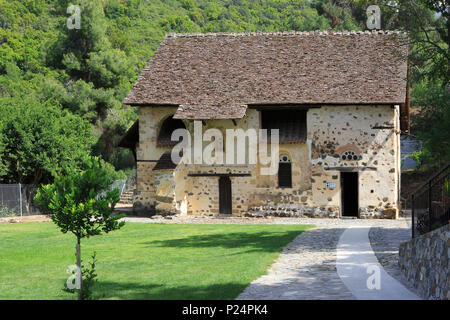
(424, 261)
(295, 211)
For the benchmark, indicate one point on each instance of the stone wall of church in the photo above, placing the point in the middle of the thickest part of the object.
(147, 153)
(371, 133)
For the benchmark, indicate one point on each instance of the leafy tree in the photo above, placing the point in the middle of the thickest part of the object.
(39, 139)
(77, 203)
(446, 187)
(432, 122)
(340, 14)
(89, 71)
(427, 24)
(3, 169)
(99, 75)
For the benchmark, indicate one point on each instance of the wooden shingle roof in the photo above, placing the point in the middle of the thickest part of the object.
(216, 76)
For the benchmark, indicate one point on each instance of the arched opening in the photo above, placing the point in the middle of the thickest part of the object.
(165, 132)
(284, 172)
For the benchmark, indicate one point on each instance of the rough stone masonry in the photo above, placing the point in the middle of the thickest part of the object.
(425, 262)
(340, 106)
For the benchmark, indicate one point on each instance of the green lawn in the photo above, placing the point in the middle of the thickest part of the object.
(141, 261)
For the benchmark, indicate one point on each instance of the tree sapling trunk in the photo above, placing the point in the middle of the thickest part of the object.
(79, 273)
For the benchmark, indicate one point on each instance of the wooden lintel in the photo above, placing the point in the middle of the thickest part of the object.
(219, 174)
(350, 169)
(383, 127)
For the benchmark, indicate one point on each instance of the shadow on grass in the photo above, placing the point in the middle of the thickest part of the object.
(255, 241)
(135, 291)
(311, 281)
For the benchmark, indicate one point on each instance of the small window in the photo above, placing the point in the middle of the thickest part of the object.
(350, 156)
(285, 172)
(291, 123)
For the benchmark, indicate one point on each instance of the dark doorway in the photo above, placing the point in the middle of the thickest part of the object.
(349, 193)
(285, 172)
(165, 133)
(224, 195)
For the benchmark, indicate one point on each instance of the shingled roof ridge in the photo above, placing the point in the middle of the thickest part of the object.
(284, 33)
(213, 75)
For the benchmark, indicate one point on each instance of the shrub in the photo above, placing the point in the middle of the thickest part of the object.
(79, 202)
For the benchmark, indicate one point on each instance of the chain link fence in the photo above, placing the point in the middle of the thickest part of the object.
(12, 200)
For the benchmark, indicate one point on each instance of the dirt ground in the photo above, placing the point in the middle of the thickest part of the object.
(32, 218)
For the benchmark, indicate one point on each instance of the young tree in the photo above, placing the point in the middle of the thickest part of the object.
(79, 202)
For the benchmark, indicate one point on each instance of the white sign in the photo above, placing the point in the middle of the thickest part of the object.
(330, 184)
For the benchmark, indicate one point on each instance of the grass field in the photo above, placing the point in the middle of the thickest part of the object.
(141, 261)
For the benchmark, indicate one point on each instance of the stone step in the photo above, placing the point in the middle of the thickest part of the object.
(127, 197)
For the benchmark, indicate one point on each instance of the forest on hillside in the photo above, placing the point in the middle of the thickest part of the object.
(61, 89)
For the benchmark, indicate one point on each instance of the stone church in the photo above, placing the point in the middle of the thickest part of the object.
(339, 99)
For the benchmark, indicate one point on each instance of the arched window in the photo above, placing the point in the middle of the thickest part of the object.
(165, 133)
(285, 172)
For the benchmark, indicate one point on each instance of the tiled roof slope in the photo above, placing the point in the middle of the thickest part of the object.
(215, 76)
(165, 162)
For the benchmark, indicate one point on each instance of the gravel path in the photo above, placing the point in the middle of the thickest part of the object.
(327, 223)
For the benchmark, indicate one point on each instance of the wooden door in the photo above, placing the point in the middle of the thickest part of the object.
(224, 195)
(349, 194)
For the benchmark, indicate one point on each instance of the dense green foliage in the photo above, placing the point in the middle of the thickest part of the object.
(142, 260)
(87, 72)
(75, 203)
(36, 139)
(446, 188)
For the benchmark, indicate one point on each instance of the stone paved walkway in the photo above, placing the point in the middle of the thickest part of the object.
(306, 269)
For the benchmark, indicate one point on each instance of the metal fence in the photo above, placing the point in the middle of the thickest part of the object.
(12, 200)
(430, 206)
(117, 184)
